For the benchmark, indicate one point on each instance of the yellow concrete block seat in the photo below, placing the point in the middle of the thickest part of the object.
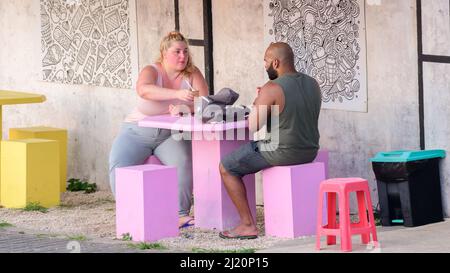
(47, 133)
(30, 173)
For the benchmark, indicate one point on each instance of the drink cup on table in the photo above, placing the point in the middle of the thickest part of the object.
(195, 92)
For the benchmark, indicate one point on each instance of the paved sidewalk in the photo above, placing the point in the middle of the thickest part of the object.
(13, 240)
(432, 238)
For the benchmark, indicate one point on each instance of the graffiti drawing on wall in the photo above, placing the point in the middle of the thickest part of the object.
(88, 42)
(329, 42)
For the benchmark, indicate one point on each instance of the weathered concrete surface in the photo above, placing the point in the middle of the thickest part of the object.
(436, 27)
(433, 238)
(93, 115)
(437, 123)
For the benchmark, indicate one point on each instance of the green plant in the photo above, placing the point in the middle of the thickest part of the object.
(35, 206)
(5, 224)
(42, 235)
(241, 250)
(66, 206)
(80, 185)
(144, 246)
(126, 237)
(77, 238)
(376, 215)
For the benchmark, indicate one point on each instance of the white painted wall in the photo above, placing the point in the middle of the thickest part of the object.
(90, 114)
(93, 115)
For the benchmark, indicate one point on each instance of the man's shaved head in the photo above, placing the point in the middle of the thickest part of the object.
(282, 52)
(279, 59)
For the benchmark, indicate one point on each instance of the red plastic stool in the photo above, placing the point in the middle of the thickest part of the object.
(344, 228)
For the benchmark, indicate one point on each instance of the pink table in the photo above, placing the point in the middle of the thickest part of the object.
(213, 207)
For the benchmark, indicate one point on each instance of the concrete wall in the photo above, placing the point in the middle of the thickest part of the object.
(93, 115)
(436, 41)
(392, 120)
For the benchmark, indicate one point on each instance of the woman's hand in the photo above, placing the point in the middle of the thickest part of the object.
(185, 95)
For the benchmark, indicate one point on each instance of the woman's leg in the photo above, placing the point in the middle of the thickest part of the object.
(131, 147)
(178, 153)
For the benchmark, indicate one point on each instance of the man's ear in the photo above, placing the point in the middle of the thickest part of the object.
(276, 63)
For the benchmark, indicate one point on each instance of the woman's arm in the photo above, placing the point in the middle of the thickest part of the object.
(199, 82)
(147, 89)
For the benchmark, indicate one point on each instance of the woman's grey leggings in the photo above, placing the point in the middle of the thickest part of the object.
(135, 144)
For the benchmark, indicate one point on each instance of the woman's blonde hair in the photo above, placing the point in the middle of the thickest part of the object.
(166, 43)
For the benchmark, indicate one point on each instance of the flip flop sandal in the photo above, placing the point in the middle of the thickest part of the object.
(231, 235)
(187, 224)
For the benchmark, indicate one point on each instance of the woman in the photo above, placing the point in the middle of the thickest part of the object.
(164, 87)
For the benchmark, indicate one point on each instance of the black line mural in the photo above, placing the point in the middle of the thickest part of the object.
(328, 39)
(86, 42)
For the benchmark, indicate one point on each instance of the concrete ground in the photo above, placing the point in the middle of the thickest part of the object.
(432, 238)
(13, 240)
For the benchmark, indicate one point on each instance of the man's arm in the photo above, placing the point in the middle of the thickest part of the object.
(261, 107)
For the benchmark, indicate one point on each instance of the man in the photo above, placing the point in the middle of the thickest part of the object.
(298, 99)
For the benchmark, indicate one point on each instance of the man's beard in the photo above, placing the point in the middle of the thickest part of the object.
(271, 72)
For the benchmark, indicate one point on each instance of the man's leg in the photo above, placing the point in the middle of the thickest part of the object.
(245, 160)
(236, 190)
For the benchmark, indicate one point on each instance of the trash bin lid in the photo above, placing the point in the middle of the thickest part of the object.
(406, 156)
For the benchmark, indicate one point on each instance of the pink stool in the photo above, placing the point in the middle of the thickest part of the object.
(147, 202)
(290, 199)
(344, 228)
(153, 160)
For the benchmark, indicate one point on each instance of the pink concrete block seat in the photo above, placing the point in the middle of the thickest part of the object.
(153, 160)
(322, 156)
(290, 199)
(342, 187)
(147, 202)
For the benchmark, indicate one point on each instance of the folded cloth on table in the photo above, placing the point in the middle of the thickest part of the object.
(217, 108)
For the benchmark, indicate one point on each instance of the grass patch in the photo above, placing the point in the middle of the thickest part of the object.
(241, 250)
(105, 201)
(126, 237)
(81, 185)
(144, 246)
(66, 206)
(377, 217)
(42, 235)
(35, 206)
(79, 238)
(5, 224)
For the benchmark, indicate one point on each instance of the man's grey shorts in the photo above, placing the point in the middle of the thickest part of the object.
(245, 160)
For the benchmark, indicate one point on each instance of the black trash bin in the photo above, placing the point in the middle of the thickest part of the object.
(409, 187)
